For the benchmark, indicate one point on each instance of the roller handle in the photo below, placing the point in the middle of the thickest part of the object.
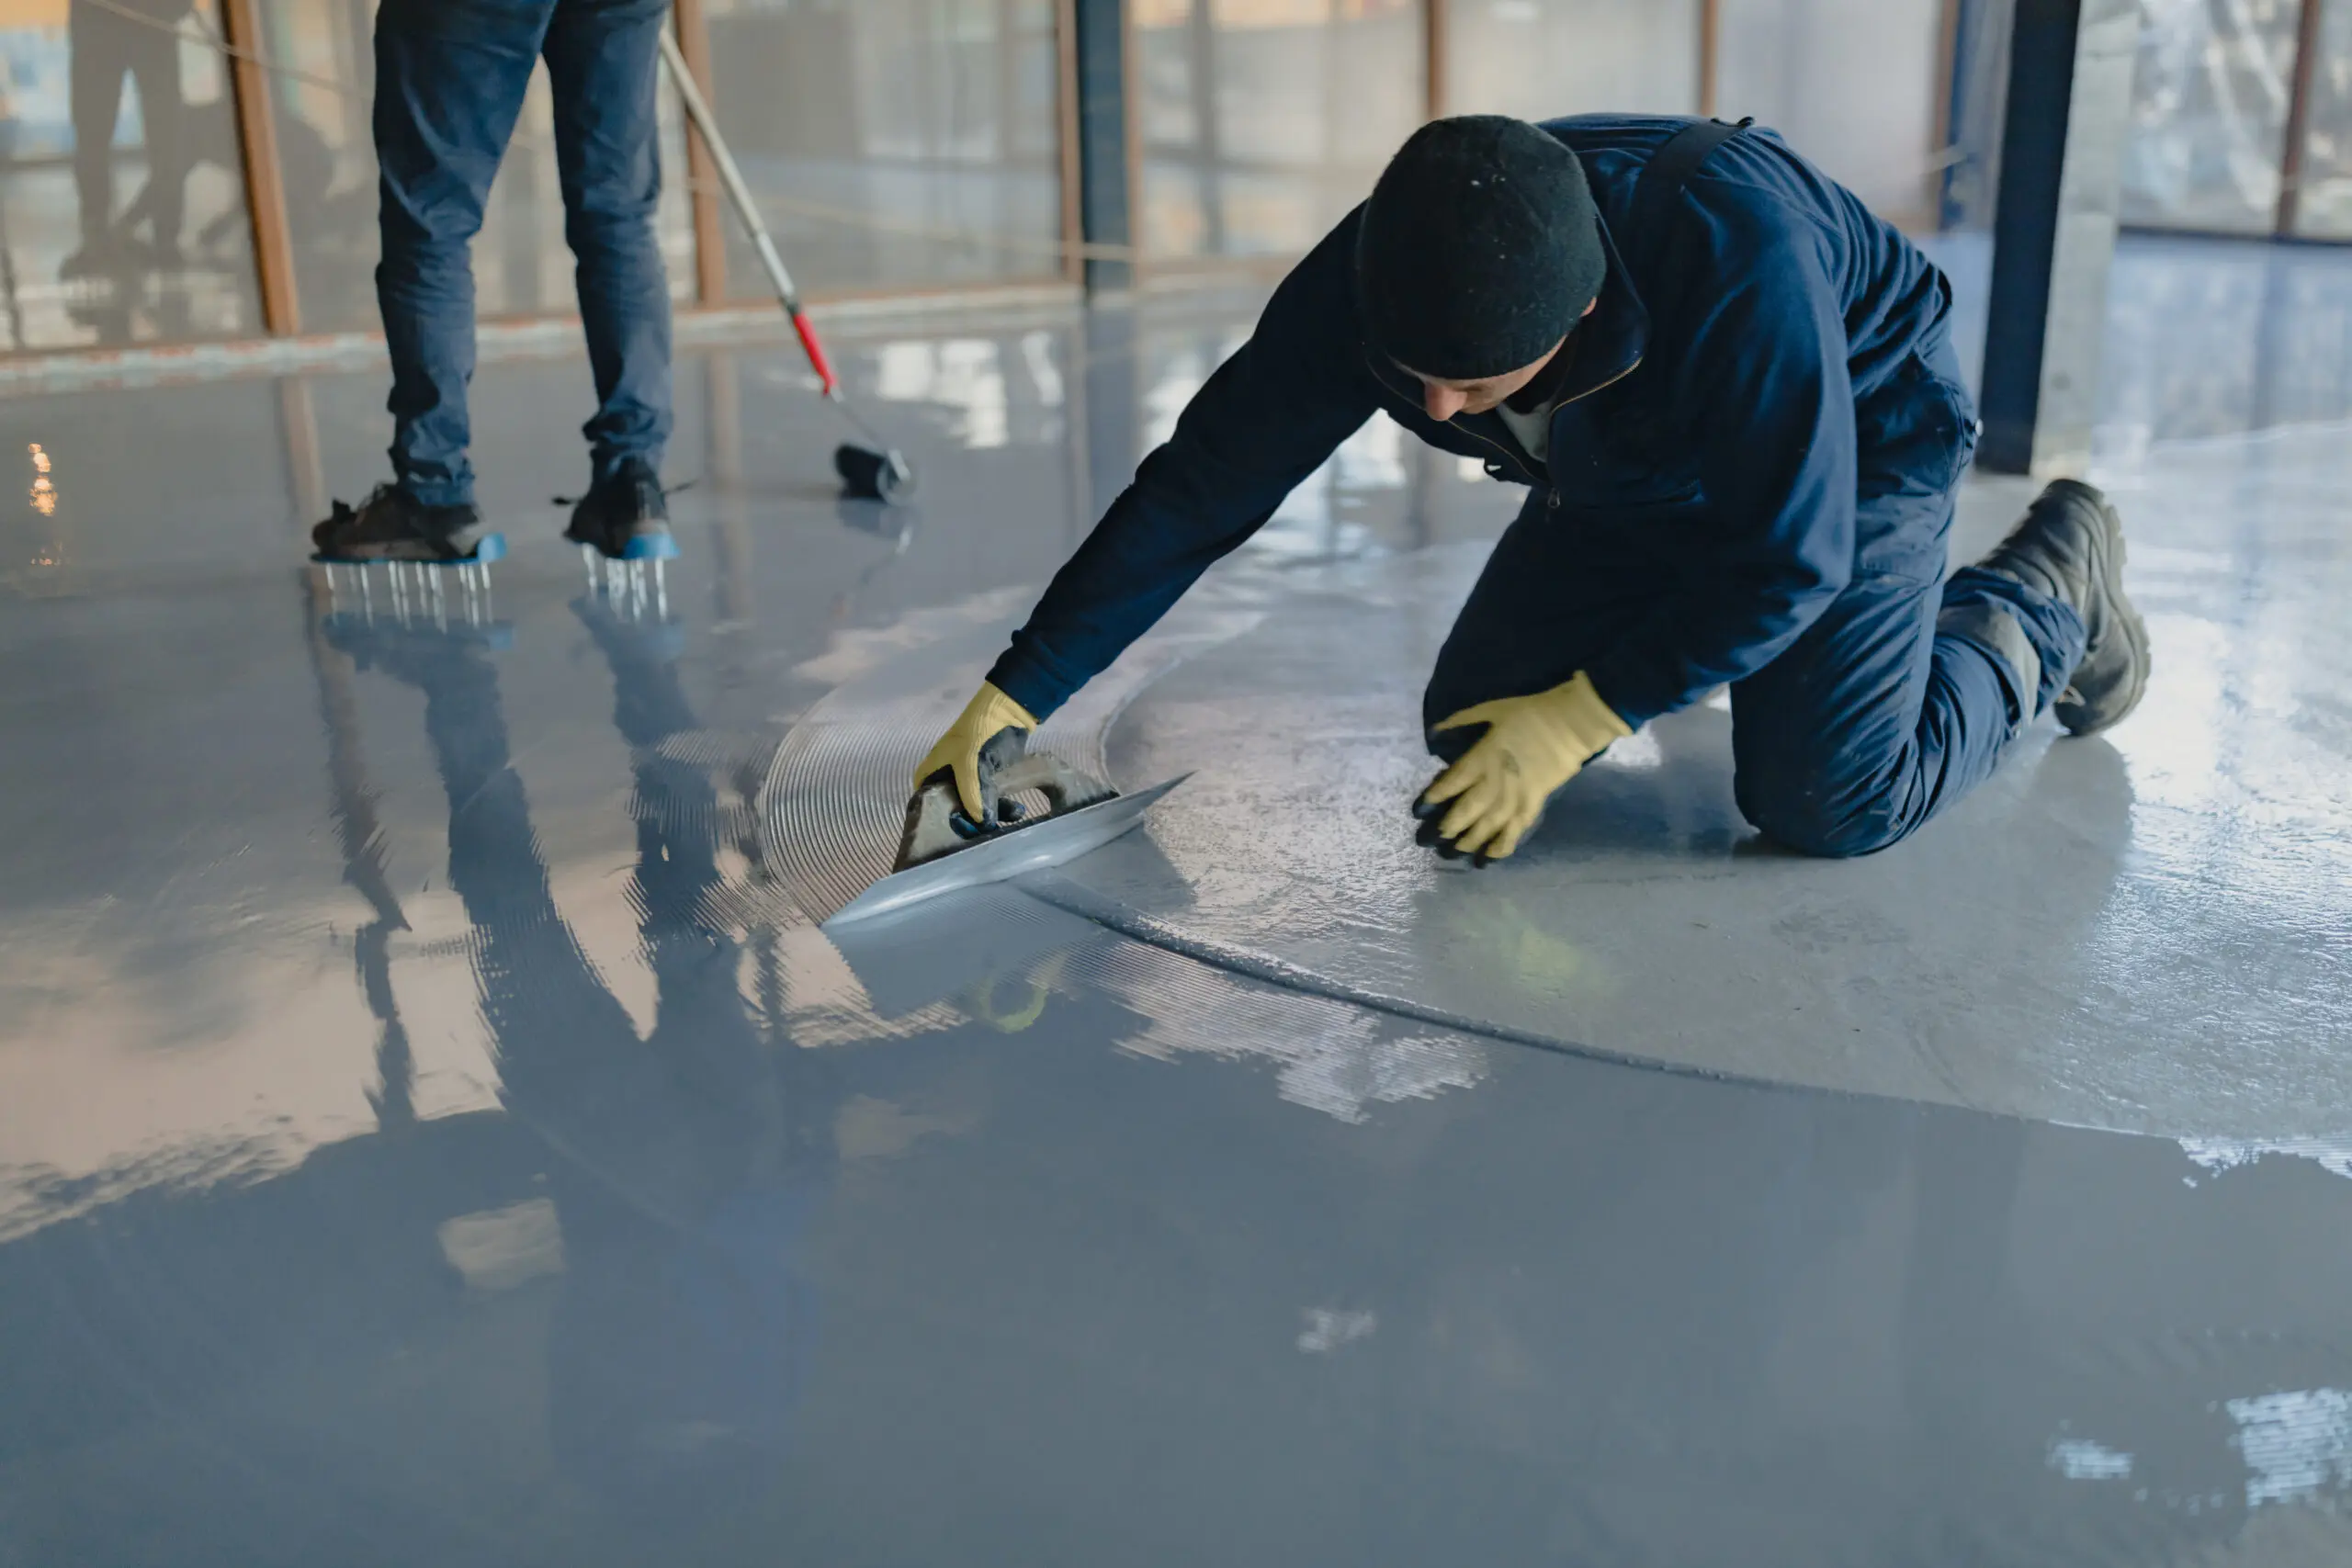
(816, 352)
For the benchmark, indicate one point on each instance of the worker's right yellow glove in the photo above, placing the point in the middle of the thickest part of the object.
(989, 715)
(1487, 801)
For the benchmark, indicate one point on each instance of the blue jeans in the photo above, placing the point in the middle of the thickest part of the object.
(1891, 706)
(450, 76)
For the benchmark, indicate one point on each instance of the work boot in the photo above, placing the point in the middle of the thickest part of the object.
(2070, 546)
(392, 525)
(625, 517)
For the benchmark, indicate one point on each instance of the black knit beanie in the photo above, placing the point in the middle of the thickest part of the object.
(1479, 248)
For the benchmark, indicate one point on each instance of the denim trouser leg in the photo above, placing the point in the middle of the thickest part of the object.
(604, 60)
(450, 76)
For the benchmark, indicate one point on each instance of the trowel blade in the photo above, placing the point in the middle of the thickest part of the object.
(1054, 841)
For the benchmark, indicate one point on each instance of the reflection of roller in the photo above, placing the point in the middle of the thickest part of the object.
(879, 472)
(896, 525)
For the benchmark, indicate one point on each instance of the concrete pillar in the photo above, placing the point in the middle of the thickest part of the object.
(2054, 230)
(1105, 203)
(1109, 401)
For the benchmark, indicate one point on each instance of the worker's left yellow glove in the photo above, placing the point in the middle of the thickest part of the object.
(964, 751)
(1487, 801)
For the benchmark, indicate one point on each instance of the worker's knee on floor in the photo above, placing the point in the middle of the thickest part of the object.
(1803, 816)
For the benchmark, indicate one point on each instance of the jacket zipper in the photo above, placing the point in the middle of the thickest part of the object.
(1632, 364)
(1552, 501)
(1508, 455)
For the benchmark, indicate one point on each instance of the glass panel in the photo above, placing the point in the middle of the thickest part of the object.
(322, 88)
(1264, 120)
(103, 241)
(1541, 59)
(2208, 113)
(2324, 208)
(1980, 92)
(891, 142)
(1854, 84)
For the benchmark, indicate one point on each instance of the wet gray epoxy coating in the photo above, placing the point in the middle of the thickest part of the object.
(432, 1129)
(2146, 931)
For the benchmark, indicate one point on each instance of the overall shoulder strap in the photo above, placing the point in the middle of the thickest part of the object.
(1660, 186)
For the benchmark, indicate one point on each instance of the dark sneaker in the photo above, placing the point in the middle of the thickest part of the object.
(94, 259)
(2071, 546)
(625, 517)
(390, 525)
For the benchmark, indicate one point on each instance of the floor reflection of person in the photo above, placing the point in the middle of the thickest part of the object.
(684, 1166)
(139, 38)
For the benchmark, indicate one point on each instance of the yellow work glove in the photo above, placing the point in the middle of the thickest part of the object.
(1495, 794)
(989, 715)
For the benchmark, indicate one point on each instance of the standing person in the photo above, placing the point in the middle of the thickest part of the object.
(450, 75)
(138, 39)
(1732, 392)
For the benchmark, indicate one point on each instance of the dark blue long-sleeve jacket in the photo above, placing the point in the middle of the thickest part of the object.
(1723, 386)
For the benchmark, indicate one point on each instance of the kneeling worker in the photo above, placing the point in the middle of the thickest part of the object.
(1731, 391)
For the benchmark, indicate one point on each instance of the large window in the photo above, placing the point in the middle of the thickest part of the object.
(321, 85)
(122, 208)
(892, 144)
(1541, 59)
(1264, 120)
(911, 144)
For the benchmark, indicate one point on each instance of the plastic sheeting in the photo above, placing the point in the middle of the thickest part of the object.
(2325, 206)
(2209, 108)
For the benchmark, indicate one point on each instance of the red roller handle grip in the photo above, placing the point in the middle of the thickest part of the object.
(816, 352)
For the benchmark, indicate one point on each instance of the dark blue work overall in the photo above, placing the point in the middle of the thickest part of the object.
(1750, 481)
(450, 75)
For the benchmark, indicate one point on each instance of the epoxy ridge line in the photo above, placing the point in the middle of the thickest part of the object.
(1059, 892)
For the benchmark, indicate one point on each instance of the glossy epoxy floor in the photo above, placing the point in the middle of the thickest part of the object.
(433, 1129)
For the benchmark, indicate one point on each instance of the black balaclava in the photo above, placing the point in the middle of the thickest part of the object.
(1479, 248)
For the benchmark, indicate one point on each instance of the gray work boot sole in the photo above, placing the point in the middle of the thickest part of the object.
(2071, 546)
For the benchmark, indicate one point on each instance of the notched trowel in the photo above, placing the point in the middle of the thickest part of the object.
(942, 849)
